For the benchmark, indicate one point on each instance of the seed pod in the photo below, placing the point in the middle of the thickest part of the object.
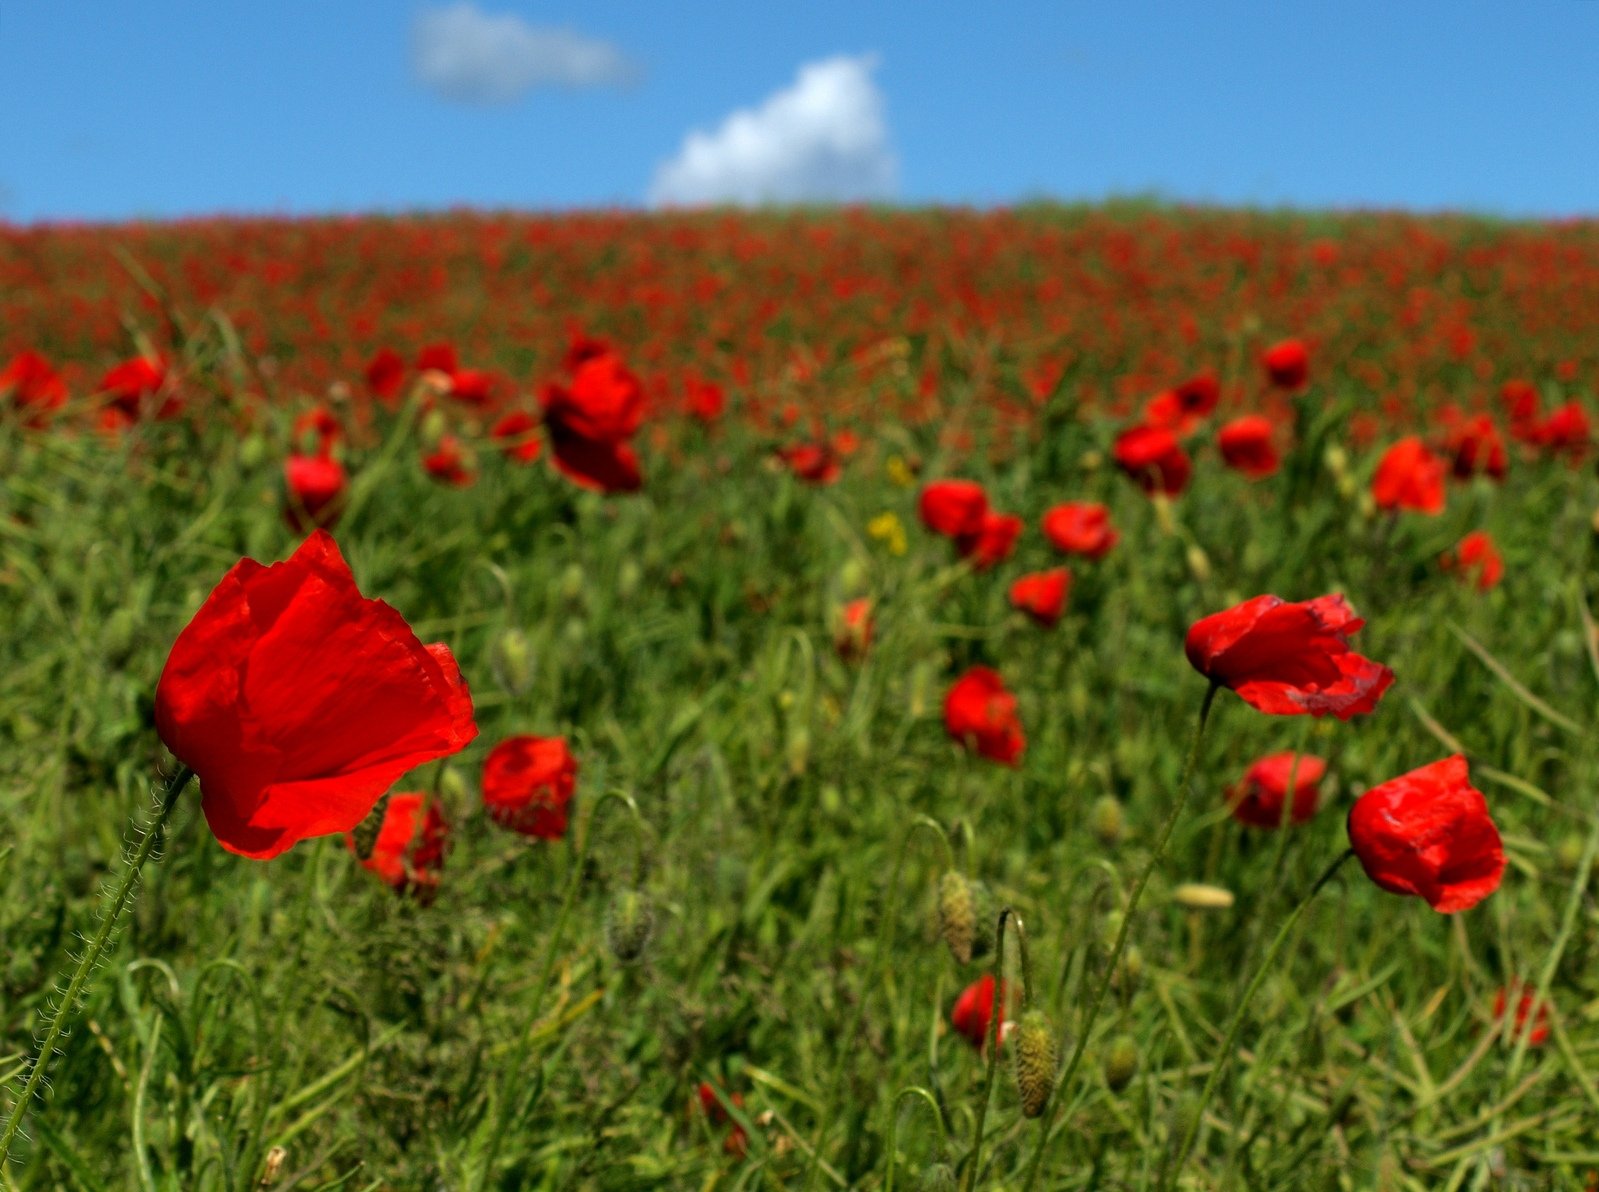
(1107, 821)
(1036, 1057)
(572, 586)
(987, 933)
(1197, 896)
(365, 834)
(957, 915)
(629, 924)
(1121, 1062)
(511, 659)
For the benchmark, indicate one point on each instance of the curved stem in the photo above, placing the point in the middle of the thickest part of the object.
(91, 958)
(914, 1090)
(995, 1013)
(1178, 804)
(1230, 1043)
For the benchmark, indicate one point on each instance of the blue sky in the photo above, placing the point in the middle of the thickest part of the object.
(114, 108)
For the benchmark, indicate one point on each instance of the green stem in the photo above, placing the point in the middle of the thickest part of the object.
(914, 1090)
(1115, 956)
(91, 957)
(1230, 1044)
(995, 1013)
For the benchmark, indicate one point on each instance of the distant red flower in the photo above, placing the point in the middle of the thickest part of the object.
(517, 434)
(1477, 561)
(385, 374)
(1258, 799)
(440, 357)
(1409, 477)
(1527, 1006)
(1287, 364)
(1153, 457)
(132, 384)
(737, 1142)
(528, 784)
(993, 541)
(706, 401)
(1522, 406)
(33, 386)
(1080, 528)
(975, 1008)
(852, 635)
(314, 489)
(448, 463)
(411, 845)
(471, 387)
(981, 714)
(1246, 446)
(1567, 431)
(590, 422)
(814, 463)
(954, 508)
(1428, 833)
(1182, 409)
(1289, 659)
(1477, 449)
(298, 702)
(1042, 595)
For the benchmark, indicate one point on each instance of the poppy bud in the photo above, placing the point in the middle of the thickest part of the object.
(799, 750)
(1198, 564)
(1199, 897)
(1121, 1062)
(511, 659)
(629, 575)
(629, 924)
(1107, 821)
(957, 915)
(365, 833)
(117, 636)
(938, 1177)
(573, 584)
(452, 786)
(433, 427)
(252, 450)
(1035, 1061)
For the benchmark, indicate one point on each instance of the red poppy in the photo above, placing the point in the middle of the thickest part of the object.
(1152, 456)
(33, 385)
(975, 1008)
(385, 374)
(314, 491)
(448, 463)
(1566, 431)
(1477, 561)
(1522, 405)
(1476, 448)
(132, 383)
(1528, 1005)
(954, 508)
(814, 463)
(737, 1142)
(1246, 446)
(438, 357)
(852, 636)
(590, 422)
(1409, 477)
(993, 541)
(528, 784)
(705, 400)
(411, 845)
(603, 467)
(1428, 833)
(517, 434)
(298, 702)
(471, 387)
(981, 715)
(1287, 364)
(1182, 409)
(1080, 528)
(1042, 595)
(1258, 799)
(1289, 659)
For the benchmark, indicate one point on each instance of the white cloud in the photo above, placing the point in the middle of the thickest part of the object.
(466, 54)
(821, 139)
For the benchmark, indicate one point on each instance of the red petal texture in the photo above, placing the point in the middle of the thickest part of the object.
(528, 783)
(1287, 364)
(1153, 457)
(1428, 833)
(411, 845)
(981, 714)
(298, 702)
(517, 434)
(1080, 528)
(974, 1008)
(590, 463)
(1246, 446)
(1409, 477)
(953, 508)
(1258, 799)
(605, 402)
(993, 541)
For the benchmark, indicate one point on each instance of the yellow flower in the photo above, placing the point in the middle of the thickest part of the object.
(899, 472)
(890, 531)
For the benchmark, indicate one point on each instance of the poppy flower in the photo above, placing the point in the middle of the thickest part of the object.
(471, 387)
(706, 401)
(1566, 431)
(590, 422)
(1182, 409)
(588, 463)
(1246, 446)
(1409, 477)
(981, 715)
(32, 385)
(385, 374)
(1475, 449)
(1428, 833)
(737, 1142)
(1258, 799)
(993, 541)
(1521, 405)
(448, 463)
(975, 1008)
(131, 384)
(439, 357)
(314, 488)
(814, 463)
(1080, 528)
(852, 636)
(528, 783)
(1476, 560)
(953, 508)
(1287, 364)
(1153, 457)
(1527, 1006)
(1289, 659)
(411, 845)
(1042, 595)
(517, 434)
(298, 702)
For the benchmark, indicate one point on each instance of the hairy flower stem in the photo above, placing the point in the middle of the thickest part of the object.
(995, 1013)
(1230, 1043)
(92, 955)
(1133, 897)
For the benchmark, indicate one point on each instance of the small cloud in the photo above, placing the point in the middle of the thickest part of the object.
(822, 139)
(465, 54)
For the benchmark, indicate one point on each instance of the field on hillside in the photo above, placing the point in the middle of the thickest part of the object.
(855, 608)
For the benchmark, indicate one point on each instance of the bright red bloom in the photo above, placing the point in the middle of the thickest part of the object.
(706, 401)
(33, 385)
(1477, 560)
(981, 715)
(471, 387)
(298, 702)
(1182, 409)
(1258, 799)
(1287, 364)
(132, 383)
(1409, 477)
(1152, 456)
(1428, 833)
(974, 1010)
(1080, 528)
(1042, 595)
(1246, 446)
(852, 636)
(604, 403)
(411, 845)
(517, 434)
(954, 508)
(438, 357)
(314, 488)
(448, 463)
(528, 784)
(993, 542)
(1289, 659)
(385, 374)
(1476, 448)
(1566, 431)
(1527, 1006)
(814, 463)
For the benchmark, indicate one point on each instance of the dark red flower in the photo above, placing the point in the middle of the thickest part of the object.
(385, 374)
(1409, 477)
(981, 715)
(1528, 1006)
(449, 464)
(852, 635)
(411, 845)
(1258, 799)
(528, 783)
(954, 508)
(589, 463)
(975, 1008)
(814, 463)
(131, 385)
(1182, 409)
(1080, 528)
(1476, 448)
(1287, 364)
(314, 488)
(518, 436)
(438, 357)
(993, 541)
(298, 702)
(1042, 595)
(1246, 446)
(1428, 833)
(1566, 431)
(33, 386)
(1289, 659)
(1476, 560)
(1152, 456)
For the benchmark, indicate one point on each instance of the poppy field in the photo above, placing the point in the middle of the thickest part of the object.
(1047, 698)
